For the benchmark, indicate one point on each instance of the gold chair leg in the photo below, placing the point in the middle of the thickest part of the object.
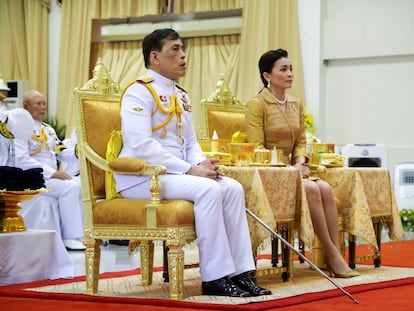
(92, 262)
(176, 271)
(147, 261)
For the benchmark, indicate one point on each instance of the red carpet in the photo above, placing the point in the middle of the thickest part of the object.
(391, 295)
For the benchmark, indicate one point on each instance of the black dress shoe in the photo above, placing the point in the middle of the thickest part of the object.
(223, 287)
(244, 282)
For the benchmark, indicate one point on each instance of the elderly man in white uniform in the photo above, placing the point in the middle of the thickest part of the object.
(157, 126)
(42, 151)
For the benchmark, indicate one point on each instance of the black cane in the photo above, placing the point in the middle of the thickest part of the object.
(301, 255)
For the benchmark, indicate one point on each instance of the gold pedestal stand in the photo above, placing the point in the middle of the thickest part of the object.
(10, 220)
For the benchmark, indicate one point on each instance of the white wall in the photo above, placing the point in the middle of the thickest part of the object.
(310, 37)
(367, 76)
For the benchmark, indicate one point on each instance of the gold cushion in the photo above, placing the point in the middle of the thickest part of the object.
(128, 165)
(132, 212)
(225, 123)
(113, 149)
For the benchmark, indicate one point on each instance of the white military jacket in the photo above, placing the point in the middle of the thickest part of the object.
(40, 151)
(147, 133)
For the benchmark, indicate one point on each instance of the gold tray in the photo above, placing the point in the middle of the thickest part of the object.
(332, 165)
(21, 192)
(268, 164)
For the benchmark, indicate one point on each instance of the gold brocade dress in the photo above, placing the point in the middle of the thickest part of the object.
(268, 125)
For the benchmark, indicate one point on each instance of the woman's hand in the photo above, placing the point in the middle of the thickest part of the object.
(304, 169)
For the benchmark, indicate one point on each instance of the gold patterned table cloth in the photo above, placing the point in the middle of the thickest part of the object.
(276, 196)
(365, 195)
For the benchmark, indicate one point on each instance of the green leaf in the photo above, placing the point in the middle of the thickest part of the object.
(59, 129)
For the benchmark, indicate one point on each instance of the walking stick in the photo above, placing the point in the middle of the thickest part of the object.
(301, 255)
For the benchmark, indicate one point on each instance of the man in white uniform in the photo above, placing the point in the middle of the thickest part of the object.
(11, 126)
(42, 151)
(157, 126)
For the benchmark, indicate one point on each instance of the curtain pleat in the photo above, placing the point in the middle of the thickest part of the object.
(24, 29)
(268, 25)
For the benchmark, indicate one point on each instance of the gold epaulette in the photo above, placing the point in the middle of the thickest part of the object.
(59, 148)
(4, 131)
(181, 88)
(145, 80)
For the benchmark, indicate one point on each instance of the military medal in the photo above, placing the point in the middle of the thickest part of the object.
(186, 104)
(164, 100)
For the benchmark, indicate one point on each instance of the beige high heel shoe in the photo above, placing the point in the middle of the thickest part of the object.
(348, 273)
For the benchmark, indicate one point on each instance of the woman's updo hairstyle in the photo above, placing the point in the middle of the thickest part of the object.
(267, 61)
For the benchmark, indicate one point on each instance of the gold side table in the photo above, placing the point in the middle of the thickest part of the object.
(10, 220)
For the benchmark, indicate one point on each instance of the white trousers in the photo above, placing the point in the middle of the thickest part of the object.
(69, 196)
(220, 220)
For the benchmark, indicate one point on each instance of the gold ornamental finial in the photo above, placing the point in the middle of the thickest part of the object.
(101, 80)
(222, 94)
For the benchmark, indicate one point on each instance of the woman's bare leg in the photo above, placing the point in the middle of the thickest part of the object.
(320, 225)
(330, 209)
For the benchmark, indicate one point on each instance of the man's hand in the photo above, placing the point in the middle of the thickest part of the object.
(207, 168)
(61, 175)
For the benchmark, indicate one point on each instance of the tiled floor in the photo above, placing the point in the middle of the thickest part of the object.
(116, 257)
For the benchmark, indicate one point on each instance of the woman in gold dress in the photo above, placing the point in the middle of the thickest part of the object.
(274, 118)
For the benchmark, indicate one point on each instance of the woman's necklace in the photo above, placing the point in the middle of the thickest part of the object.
(282, 102)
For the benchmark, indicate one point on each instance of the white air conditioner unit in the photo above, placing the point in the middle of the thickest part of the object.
(15, 95)
(404, 185)
(365, 155)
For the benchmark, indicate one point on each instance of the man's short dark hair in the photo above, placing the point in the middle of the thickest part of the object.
(155, 40)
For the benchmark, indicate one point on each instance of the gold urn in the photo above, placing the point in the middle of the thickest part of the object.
(10, 220)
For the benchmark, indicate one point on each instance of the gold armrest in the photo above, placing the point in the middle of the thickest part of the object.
(136, 166)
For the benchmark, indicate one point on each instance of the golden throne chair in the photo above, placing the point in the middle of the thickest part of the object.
(222, 112)
(109, 216)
